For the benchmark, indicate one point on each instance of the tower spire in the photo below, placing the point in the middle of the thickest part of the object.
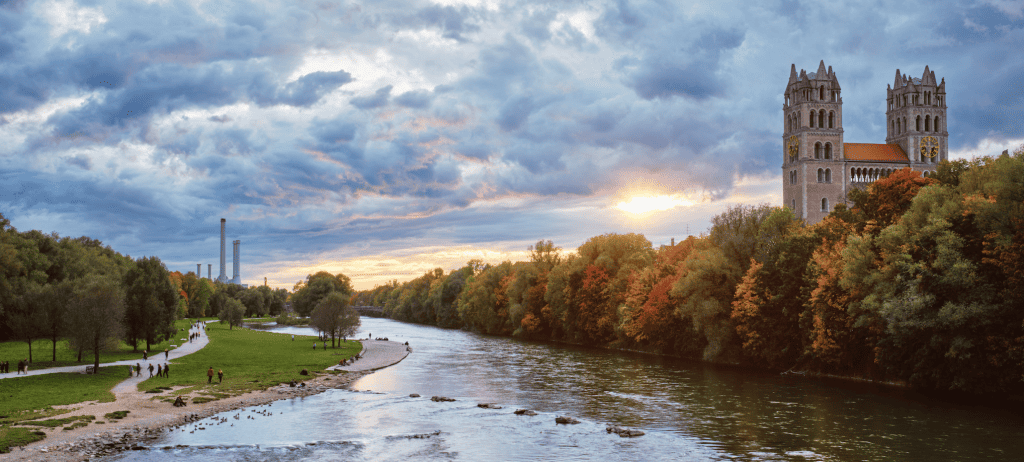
(792, 74)
(822, 73)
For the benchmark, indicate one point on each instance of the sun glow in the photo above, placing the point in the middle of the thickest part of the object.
(644, 204)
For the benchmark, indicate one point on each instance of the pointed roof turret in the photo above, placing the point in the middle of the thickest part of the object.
(830, 74)
(899, 82)
(803, 75)
(932, 76)
(821, 74)
(792, 74)
(942, 86)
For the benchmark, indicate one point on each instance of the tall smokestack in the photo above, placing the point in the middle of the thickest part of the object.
(236, 278)
(223, 268)
(209, 269)
(199, 270)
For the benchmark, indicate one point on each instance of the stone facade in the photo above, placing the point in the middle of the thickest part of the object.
(819, 168)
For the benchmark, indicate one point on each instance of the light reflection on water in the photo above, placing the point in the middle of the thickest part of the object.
(689, 412)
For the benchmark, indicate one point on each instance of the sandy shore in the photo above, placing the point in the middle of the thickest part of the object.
(148, 419)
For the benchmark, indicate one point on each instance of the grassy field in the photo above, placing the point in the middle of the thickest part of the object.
(42, 351)
(251, 360)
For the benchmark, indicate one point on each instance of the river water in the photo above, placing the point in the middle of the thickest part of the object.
(689, 411)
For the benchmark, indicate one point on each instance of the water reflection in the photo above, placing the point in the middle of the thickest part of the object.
(689, 411)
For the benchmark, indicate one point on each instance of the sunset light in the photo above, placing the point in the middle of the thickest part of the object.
(644, 204)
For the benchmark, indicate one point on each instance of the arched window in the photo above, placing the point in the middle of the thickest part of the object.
(937, 127)
(817, 150)
(892, 127)
(927, 123)
(905, 127)
(824, 204)
(834, 95)
(917, 126)
(828, 175)
(828, 150)
(832, 119)
(821, 176)
(812, 118)
(897, 126)
(821, 118)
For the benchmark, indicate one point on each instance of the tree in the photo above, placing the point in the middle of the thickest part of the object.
(232, 313)
(50, 306)
(334, 317)
(95, 315)
(150, 302)
(317, 286)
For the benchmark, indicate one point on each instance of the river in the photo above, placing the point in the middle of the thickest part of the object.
(689, 411)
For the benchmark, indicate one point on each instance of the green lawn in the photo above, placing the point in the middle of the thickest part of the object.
(251, 360)
(42, 351)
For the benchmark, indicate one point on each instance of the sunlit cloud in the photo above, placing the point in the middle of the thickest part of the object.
(645, 204)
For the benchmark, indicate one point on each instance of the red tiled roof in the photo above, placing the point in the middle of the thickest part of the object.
(874, 152)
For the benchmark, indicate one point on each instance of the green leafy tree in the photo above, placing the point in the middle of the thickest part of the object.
(232, 313)
(95, 315)
(150, 303)
(334, 317)
(308, 294)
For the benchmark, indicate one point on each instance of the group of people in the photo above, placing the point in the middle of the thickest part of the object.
(162, 370)
(5, 366)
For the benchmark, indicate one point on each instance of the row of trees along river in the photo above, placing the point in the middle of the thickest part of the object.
(918, 282)
(90, 298)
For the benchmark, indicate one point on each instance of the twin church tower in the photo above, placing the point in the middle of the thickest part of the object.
(819, 168)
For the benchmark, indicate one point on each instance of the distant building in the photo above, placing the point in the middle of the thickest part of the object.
(819, 168)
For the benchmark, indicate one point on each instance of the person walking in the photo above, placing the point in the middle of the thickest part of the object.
(138, 369)
(209, 375)
(220, 375)
(167, 371)
(145, 355)
(130, 373)
(159, 370)
(167, 353)
(150, 370)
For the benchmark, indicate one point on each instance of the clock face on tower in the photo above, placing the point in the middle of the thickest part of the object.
(794, 148)
(929, 147)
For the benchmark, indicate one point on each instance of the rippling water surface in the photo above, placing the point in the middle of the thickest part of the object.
(688, 411)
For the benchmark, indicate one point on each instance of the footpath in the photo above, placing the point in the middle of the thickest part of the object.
(155, 358)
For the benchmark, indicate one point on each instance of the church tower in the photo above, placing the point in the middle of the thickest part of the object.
(812, 141)
(916, 119)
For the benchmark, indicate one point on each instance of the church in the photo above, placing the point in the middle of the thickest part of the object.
(819, 168)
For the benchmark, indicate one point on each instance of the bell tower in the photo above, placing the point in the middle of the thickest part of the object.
(812, 140)
(916, 118)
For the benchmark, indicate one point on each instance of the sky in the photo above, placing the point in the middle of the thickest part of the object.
(381, 139)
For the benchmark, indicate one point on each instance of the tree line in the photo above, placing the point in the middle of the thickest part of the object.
(918, 282)
(78, 291)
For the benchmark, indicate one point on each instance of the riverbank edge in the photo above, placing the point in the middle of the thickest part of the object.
(93, 441)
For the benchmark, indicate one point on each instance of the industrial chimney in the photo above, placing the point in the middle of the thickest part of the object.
(236, 278)
(223, 267)
(209, 269)
(199, 270)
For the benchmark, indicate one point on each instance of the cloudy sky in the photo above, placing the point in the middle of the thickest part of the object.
(385, 138)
